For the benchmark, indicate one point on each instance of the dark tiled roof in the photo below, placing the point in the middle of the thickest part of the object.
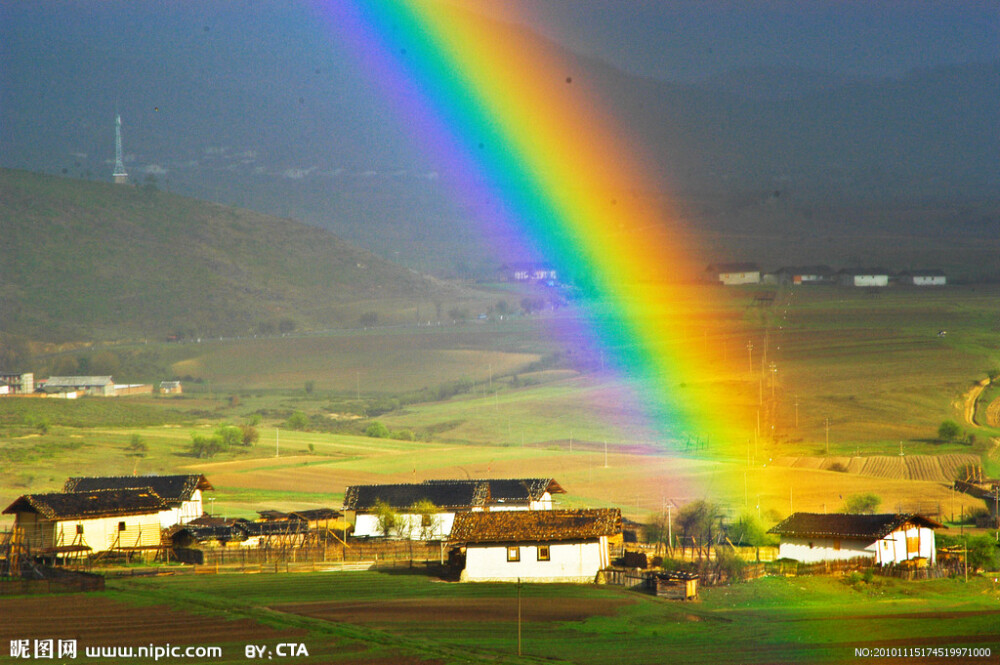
(316, 514)
(733, 267)
(842, 525)
(171, 488)
(101, 503)
(237, 531)
(452, 494)
(509, 526)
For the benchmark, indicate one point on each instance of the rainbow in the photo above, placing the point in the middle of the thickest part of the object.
(532, 142)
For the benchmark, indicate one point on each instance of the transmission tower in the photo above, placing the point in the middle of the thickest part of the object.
(120, 176)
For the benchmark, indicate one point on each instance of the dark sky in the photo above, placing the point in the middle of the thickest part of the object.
(687, 40)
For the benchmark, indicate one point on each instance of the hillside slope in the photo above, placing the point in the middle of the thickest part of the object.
(84, 260)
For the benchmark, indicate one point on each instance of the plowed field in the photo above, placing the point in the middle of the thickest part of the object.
(937, 468)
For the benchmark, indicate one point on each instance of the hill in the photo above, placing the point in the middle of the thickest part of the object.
(84, 260)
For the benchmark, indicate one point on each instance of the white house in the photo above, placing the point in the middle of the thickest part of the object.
(181, 493)
(875, 277)
(734, 274)
(536, 546)
(66, 523)
(447, 497)
(923, 278)
(886, 538)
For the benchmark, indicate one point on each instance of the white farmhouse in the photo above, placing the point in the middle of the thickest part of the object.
(924, 278)
(886, 538)
(536, 546)
(181, 493)
(448, 498)
(60, 524)
(734, 274)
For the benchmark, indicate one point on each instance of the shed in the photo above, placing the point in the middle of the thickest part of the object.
(536, 546)
(102, 386)
(734, 274)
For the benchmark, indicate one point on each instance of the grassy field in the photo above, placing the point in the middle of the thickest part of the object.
(405, 617)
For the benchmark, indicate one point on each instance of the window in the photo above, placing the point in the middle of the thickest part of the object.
(543, 553)
(79, 528)
(121, 526)
(514, 553)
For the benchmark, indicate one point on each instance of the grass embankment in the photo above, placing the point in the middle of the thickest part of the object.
(805, 619)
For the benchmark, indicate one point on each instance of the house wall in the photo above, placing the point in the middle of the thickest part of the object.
(568, 562)
(100, 534)
(366, 526)
(184, 513)
(812, 550)
(912, 543)
(871, 280)
(929, 280)
(736, 278)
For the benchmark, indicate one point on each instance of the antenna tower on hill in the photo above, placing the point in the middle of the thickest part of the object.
(120, 176)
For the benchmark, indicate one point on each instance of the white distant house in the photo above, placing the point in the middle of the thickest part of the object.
(886, 538)
(923, 278)
(536, 546)
(61, 524)
(804, 275)
(874, 277)
(734, 274)
(182, 494)
(448, 497)
(17, 383)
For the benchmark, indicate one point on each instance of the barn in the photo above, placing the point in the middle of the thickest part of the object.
(61, 523)
(886, 538)
(449, 498)
(536, 546)
(181, 493)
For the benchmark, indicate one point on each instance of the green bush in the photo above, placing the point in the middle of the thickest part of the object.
(377, 430)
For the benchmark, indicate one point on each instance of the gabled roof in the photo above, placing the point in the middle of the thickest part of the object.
(733, 267)
(846, 525)
(85, 505)
(77, 381)
(508, 526)
(452, 494)
(172, 489)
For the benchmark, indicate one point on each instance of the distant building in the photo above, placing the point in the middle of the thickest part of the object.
(18, 383)
(89, 385)
(803, 276)
(171, 387)
(450, 497)
(537, 545)
(873, 277)
(923, 278)
(126, 389)
(734, 274)
(886, 538)
(182, 494)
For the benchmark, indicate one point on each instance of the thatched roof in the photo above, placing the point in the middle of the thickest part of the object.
(510, 526)
(847, 525)
(86, 505)
(172, 489)
(452, 494)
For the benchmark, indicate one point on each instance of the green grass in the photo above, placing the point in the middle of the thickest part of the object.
(805, 619)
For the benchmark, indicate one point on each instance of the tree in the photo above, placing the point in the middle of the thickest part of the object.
(297, 421)
(205, 446)
(368, 319)
(286, 326)
(136, 446)
(229, 436)
(250, 435)
(697, 521)
(656, 530)
(949, 430)
(377, 430)
(429, 520)
(310, 387)
(385, 516)
(750, 530)
(864, 503)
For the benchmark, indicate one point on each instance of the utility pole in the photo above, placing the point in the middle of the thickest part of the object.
(277, 438)
(750, 355)
(518, 616)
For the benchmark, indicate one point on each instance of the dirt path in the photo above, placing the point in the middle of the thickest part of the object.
(970, 400)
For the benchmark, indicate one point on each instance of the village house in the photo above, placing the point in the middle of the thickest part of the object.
(530, 272)
(449, 497)
(734, 274)
(536, 546)
(886, 538)
(873, 277)
(102, 386)
(18, 383)
(802, 276)
(923, 278)
(61, 524)
(181, 493)
(171, 387)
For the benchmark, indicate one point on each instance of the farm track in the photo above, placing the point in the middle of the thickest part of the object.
(970, 399)
(993, 413)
